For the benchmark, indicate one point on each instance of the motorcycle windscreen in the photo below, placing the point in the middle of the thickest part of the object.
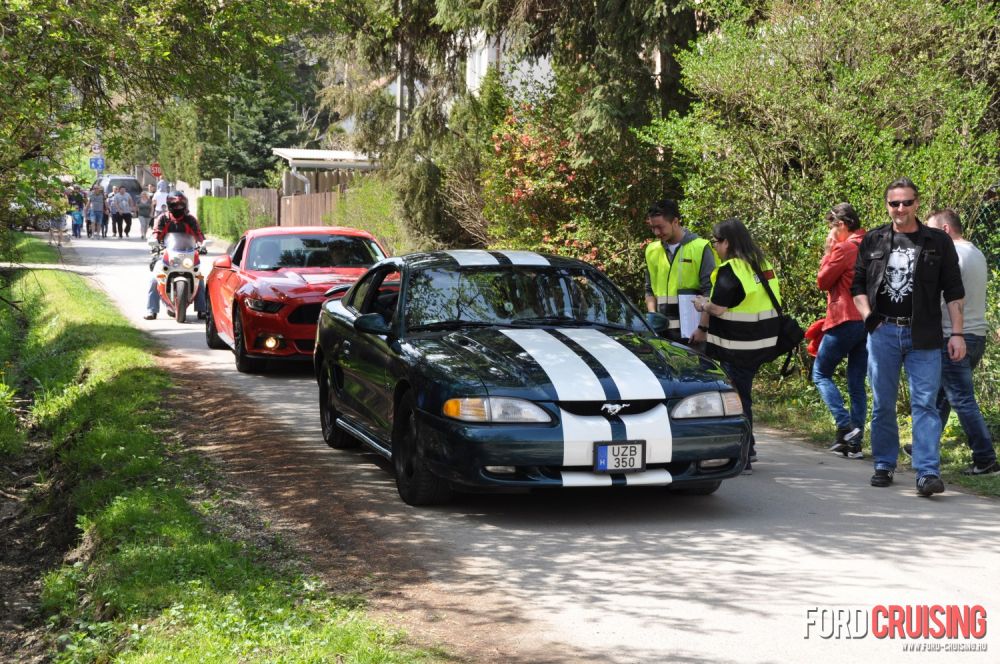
(176, 242)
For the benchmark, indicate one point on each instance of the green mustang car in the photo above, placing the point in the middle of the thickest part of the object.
(475, 369)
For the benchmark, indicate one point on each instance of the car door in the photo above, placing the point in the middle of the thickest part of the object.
(364, 358)
(229, 281)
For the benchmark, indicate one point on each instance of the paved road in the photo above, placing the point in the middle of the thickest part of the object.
(639, 576)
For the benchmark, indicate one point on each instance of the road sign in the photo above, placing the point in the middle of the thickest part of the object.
(97, 163)
(154, 168)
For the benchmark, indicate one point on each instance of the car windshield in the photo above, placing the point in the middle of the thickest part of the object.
(273, 252)
(179, 242)
(514, 296)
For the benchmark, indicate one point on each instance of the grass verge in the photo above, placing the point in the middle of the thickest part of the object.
(150, 581)
(794, 404)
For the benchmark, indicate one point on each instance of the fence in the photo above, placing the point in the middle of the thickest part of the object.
(319, 181)
(308, 209)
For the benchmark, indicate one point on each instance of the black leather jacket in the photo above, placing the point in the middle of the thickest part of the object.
(936, 272)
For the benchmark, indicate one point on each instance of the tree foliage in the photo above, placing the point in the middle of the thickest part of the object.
(819, 103)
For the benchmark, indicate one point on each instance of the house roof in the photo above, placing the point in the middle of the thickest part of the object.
(325, 159)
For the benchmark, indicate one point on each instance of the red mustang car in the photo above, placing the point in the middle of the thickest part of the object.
(264, 296)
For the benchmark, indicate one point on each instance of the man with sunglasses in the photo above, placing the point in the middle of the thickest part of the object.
(902, 271)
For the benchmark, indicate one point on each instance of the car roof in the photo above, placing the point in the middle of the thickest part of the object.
(307, 230)
(456, 258)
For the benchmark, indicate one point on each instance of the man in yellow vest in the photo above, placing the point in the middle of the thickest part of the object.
(679, 266)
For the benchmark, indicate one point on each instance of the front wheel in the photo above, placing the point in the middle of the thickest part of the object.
(182, 296)
(416, 484)
(244, 363)
(334, 436)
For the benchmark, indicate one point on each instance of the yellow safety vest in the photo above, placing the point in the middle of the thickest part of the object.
(740, 334)
(669, 279)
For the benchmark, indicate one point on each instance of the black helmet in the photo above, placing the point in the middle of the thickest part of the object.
(177, 203)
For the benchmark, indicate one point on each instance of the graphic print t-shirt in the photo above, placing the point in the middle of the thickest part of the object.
(895, 296)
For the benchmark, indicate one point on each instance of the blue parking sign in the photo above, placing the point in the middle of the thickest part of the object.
(97, 163)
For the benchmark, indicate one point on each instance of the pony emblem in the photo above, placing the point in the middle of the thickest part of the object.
(612, 409)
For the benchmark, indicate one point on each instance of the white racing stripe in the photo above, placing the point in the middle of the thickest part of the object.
(652, 477)
(572, 378)
(580, 432)
(525, 258)
(473, 257)
(574, 478)
(653, 426)
(633, 378)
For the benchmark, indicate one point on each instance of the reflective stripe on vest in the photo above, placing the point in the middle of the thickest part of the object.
(667, 279)
(752, 325)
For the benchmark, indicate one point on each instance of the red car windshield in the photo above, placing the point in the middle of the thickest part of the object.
(304, 251)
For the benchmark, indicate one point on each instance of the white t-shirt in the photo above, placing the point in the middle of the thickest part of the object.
(972, 262)
(159, 202)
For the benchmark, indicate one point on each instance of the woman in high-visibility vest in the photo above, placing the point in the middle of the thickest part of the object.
(739, 322)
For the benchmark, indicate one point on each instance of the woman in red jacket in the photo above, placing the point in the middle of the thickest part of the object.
(843, 332)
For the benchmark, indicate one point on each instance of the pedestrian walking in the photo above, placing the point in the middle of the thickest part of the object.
(122, 207)
(903, 269)
(843, 332)
(144, 210)
(679, 266)
(95, 211)
(739, 322)
(956, 376)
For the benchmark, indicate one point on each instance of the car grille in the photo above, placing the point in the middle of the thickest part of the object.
(305, 345)
(591, 408)
(307, 314)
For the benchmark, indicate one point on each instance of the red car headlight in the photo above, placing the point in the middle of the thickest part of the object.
(263, 306)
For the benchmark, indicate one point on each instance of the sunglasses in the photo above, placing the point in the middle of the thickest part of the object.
(717, 240)
(907, 203)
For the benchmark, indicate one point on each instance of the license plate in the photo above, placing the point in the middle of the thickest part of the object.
(626, 457)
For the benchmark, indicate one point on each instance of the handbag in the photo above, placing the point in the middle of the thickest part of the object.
(790, 334)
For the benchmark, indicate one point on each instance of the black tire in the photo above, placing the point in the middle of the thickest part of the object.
(212, 338)
(334, 436)
(244, 363)
(699, 489)
(182, 297)
(416, 484)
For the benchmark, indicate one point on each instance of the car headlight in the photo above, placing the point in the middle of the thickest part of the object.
(266, 306)
(708, 404)
(494, 409)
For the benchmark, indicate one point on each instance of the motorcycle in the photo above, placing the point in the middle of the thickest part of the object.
(177, 262)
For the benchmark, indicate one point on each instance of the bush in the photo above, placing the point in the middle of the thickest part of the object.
(368, 205)
(227, 218)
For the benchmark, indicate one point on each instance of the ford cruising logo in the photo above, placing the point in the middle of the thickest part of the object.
(612, 409)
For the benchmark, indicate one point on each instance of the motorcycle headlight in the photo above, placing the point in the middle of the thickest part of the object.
(187, 263)
(494, 409)
(265, 306)
(708, 404)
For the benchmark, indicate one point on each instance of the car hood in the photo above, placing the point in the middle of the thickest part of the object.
(301, 282)
(571, 364)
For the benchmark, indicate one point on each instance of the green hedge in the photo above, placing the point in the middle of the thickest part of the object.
(226, 218)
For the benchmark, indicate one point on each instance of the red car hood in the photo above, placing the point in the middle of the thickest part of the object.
(303, 282)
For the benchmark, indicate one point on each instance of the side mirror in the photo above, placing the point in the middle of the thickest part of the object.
(337, 291)
(372, 324)
(223, 262)
(658, 322)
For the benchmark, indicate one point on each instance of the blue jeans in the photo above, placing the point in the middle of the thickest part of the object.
(845, 340)
(153, 298)
(890, 348)
(957, 392)
(742, 378)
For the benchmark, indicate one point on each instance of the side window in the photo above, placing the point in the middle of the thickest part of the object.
(383, 294)
(357, 296)
(237, 255)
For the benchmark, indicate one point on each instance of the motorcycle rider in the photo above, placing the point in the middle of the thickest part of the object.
(176, 219)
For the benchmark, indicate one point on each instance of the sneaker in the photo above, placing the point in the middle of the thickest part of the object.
(908, 450)
(202, 315)
(847, 441)
(882, 477)
(988, 469)
(854, 452)
(928, 485)
(753, 458)
(149, 316)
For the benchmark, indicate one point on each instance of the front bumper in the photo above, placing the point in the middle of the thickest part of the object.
(461, 453)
